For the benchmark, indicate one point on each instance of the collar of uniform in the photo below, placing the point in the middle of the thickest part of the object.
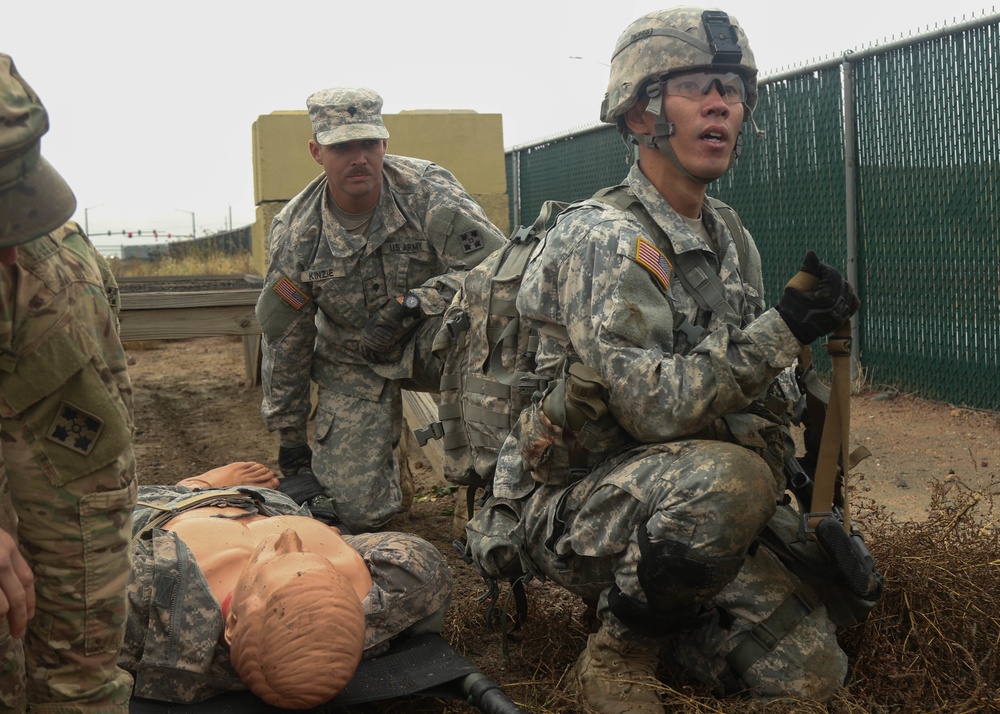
(681, 238)
(342, 244)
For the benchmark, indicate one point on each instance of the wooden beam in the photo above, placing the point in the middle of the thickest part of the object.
(185, 322)
(193, 298)
(420, 410)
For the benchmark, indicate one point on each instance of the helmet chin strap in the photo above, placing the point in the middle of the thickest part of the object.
(663, 130)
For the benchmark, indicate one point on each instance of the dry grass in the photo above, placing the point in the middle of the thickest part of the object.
(193, 263)
(930, 645)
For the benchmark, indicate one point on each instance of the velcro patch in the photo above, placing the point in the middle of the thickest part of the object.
(289, 292)
(471, 240)
(75, 429)
(649, 256)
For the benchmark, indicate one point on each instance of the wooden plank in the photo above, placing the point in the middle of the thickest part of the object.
(185, 299)
(228, 278)
(180, 323)
(420, 410)
(251, 359)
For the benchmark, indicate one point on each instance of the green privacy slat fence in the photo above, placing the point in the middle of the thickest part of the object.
(928, 177)
(923, 180)
(565, 169)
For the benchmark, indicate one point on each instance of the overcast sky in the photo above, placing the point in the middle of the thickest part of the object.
(151, 104)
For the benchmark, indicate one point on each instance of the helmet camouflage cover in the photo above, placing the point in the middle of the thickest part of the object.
(676, 40)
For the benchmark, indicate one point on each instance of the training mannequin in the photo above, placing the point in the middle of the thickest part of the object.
(285, 605)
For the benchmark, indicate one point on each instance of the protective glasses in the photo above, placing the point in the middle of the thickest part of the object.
(695, 85)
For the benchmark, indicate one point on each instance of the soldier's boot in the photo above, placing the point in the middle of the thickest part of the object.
(618, 677)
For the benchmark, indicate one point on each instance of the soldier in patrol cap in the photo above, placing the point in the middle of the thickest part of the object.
(646, 496)
(362, 264)
(67, 474)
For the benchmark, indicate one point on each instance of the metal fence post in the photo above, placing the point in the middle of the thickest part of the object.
(851, 198)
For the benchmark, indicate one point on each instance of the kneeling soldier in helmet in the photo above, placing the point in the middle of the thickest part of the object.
(649, 511)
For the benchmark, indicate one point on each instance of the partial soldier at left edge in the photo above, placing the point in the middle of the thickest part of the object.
(67, 471)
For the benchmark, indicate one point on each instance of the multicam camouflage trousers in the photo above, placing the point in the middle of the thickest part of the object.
(76, 539)
(713, 497)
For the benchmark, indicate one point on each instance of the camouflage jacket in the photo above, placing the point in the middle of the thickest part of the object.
(603, 290)
(323, 283)
(42, 351)
(172, 638)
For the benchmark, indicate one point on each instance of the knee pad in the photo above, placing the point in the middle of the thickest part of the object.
(677, 582)
(673, 575)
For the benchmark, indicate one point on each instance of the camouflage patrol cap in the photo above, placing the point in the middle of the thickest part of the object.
(345, 114)
(34, 198)
(676, 40)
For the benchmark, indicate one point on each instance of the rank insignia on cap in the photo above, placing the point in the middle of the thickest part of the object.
(471, 240)
(649, 256)
(288, 292)
(75, 429)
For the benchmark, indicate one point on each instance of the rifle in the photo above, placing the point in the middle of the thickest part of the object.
(824, 508)
(843, 543)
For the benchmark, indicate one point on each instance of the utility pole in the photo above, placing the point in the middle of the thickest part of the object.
(193, 233)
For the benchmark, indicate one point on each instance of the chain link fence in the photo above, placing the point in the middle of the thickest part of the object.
(886, 162)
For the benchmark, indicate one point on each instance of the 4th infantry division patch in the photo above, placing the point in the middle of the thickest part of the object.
(471, 240)
(75, 429)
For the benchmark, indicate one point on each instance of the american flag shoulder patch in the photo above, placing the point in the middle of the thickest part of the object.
(649, 256)
(288, 292)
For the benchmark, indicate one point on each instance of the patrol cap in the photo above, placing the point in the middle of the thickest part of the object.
(345, 114)
(34, 198)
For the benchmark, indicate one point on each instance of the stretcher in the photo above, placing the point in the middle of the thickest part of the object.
(420, 666)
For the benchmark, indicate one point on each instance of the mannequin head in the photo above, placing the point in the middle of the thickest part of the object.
(295, 626)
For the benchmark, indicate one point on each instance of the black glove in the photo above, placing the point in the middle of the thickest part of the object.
(386, 330)
(292, 459)
(821, 309)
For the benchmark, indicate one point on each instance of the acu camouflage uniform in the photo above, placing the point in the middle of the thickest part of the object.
(669, 483)
(67, 473)
(175, 624)
(322, 284)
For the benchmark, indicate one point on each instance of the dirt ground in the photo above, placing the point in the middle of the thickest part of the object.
(195, 410)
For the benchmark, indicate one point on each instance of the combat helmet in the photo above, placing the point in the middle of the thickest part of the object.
(34, 198)
(666, 42)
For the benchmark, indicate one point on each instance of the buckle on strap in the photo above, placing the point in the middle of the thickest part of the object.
(433, 431)
(457, 324)
(529, 384)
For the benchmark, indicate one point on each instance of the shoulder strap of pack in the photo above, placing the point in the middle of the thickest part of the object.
(515, 261)
(693, 269)
(735, 226)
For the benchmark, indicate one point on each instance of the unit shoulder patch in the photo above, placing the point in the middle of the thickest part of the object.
(471, 240)
(75, 429)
